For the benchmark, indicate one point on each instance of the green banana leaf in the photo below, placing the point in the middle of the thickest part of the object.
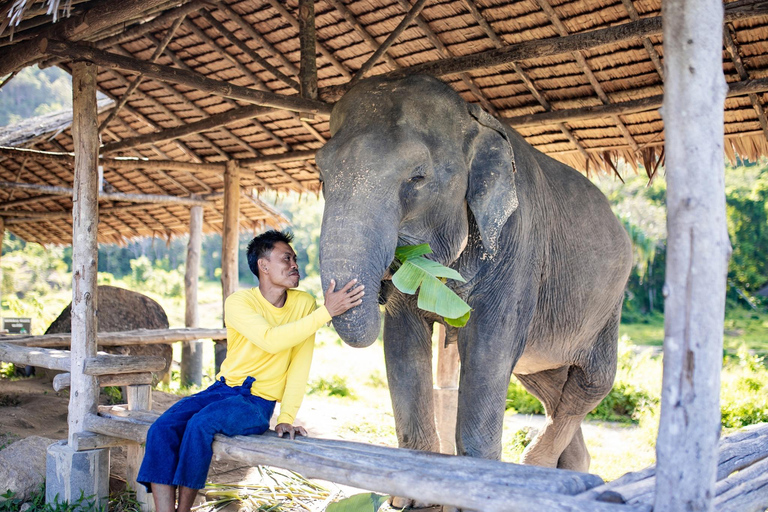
(364, 502)
(417, 271)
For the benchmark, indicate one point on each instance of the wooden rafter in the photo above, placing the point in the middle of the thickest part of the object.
(358, 27)
(521, 73)
(561, 29)
(731, 45)
(629, 5)
(325, 52)
(391, 38)
(90, 22)
(308, 68)
(137, 81)
(187, 78)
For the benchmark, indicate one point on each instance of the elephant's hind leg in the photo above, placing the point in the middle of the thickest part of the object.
(582, 387)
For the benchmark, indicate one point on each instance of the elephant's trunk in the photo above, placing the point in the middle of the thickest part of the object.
(355, 246)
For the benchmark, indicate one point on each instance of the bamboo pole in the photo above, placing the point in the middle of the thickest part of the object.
(180, 76)
(192, 351)
(229, 239)
(697, 255)
(85, 218)
(308, 69)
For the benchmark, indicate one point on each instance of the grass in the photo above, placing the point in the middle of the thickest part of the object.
(741, 327)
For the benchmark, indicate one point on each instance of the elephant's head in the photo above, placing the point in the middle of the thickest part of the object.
(406, 159)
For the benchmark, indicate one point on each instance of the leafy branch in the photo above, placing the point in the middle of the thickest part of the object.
(416, 272)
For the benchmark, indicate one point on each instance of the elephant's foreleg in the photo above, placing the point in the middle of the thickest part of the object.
(408, 356)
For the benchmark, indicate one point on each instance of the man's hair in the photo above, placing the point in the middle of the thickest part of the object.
(262, 245)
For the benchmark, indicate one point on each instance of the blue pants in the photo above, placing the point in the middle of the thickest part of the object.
(179, 443)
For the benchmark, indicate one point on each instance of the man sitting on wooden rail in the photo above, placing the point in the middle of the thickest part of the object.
(270, 339)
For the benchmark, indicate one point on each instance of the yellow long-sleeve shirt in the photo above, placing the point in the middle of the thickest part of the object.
(273, 345)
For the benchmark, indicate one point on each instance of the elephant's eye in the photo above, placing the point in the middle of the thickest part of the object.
(415, 179)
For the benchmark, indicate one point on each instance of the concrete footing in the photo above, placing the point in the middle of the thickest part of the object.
(70, 475)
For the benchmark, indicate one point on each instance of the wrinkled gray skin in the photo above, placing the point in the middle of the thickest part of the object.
(544, 257)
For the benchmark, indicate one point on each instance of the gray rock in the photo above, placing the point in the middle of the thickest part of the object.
(22, 466)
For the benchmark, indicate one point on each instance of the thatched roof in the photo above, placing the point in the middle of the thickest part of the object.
(581, 80)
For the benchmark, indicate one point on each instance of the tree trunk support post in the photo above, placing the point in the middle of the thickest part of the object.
(229, 245)
(446, 392)
(697, 255)
(139, 399)
(308, 71)
(70, 473)
(192, 351)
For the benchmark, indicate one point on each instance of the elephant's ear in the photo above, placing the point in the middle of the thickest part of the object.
(491, 191)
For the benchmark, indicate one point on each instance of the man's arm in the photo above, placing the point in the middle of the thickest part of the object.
(296, 381)
(240, 316)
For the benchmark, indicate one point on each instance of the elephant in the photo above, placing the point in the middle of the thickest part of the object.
(544, 258)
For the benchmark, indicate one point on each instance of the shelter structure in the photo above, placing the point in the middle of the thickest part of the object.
(217, 96)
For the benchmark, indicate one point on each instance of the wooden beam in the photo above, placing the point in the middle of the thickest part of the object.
(210, 123)
(383, 47)
(746, 87)
(62, 381)
(111, 196)
(308, 69)
(698, 250)
(88, 23)
(548, 47)
(291, 156)
(35, 356)
(629, 6)
(729, 38)
(107, 364)
(113, 163)
(183, 77)
(349, 16)
(192, 351)
(113, 339)
(229, 246)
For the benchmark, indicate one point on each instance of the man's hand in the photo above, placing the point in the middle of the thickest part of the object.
(287, 428)
(338, 302)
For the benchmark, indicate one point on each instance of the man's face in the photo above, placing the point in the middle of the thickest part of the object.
(280, 268)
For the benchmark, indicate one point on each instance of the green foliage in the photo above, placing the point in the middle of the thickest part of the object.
(743, 400)
(521, 401)
(114, 395)
(334, 386)
(10, 503)
(148, 276)
(35, 92)
(416, 272)
(7, 370)
(364, 502)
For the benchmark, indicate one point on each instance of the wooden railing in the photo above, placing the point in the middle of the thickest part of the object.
(463, 482)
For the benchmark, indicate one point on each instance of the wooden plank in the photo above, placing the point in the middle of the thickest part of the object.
(698, 250)
(111, 339)
(42, 357)
(90, 441)
(106, 364)
(62, 380)
(85, 219)
(188, 78)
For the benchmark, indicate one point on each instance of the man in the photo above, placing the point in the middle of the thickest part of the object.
(270, 339)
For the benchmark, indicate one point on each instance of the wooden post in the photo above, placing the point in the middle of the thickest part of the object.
(192, 351)
(308, 71)
(446, 392)
(139, 399)
(229, 244)
(85, 219)
(2, 237)
(697, 255)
